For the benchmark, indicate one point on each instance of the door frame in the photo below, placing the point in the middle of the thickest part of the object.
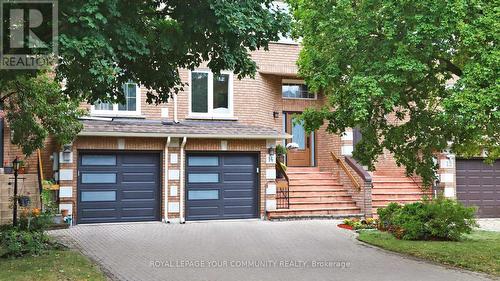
(202, 152)
(161, 175)
(313, 151)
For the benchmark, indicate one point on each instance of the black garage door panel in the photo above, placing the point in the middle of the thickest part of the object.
(221, 186)
(478, 184)
(118, 187)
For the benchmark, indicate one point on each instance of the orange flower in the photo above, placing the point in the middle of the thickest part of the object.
(36, 212)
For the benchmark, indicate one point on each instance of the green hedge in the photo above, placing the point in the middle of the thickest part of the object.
(437, 219)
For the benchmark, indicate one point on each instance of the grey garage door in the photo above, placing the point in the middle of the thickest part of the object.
(221, 186)
(478, 184)
(118, 187)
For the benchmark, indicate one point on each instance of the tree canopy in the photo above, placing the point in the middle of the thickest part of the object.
(105, 43)
(416, 77)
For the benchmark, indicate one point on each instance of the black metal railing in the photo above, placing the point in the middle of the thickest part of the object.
(282, 197)
(282, 189)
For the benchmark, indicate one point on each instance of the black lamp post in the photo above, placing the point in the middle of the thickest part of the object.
(15, 165)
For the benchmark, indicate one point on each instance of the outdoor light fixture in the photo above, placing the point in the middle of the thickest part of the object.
(67, 148)
(271, 150)
(276, 114)
(16, 164)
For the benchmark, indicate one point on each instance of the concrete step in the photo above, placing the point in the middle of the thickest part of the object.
(394, 190)
(320, 198)
(326, 181)
(319, 212)
(319, 175)
(315, 193)
(316, 187)
(302, 170)
(384, 203)
(317, 205)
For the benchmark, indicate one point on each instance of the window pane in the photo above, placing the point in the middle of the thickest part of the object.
(130, 91)
(199, 92)
(98, 178)
(299, 134)
(203, 161)
(296, 91)
(221, 93)
(203, 178)
(203, 194)
(99, 160)
(97, 196)
(103, 106)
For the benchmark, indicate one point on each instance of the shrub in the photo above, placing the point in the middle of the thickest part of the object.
(17, 243)
(438, 219)
(386, 215)
(450, 219)
(34, 220)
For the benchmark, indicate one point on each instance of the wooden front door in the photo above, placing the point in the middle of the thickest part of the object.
(300, 157)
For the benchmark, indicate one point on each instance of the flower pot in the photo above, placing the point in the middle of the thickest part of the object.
(64, 213)
(23, 201)
(22, 170)
(8, 170)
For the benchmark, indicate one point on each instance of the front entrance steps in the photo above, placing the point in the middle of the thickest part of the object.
(315, 194)
(396, 188)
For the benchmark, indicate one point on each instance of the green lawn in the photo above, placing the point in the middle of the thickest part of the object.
(56, 265)
(479, 251)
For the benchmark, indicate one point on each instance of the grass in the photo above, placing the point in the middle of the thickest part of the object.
(55, 265)
(478, 251)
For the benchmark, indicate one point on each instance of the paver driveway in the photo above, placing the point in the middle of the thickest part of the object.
(244, 250)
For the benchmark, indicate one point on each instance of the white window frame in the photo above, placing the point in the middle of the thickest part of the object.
(295, 81)
(121, 113)
(210, 112)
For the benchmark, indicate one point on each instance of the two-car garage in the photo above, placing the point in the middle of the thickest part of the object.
(126, 186)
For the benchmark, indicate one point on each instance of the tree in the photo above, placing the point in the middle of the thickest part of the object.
(105, 43)
(387, 66)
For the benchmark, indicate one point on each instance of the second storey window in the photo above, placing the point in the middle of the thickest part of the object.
(130, 107)
(296, 89)
(211, 94)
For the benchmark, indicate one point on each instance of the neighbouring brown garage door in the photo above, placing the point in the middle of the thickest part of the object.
(478, 184)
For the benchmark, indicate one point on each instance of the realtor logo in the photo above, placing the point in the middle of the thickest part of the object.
(28, 31)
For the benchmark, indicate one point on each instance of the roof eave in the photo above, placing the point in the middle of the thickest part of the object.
(196, 136)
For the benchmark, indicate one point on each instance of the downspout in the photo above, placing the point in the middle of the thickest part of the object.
(175, 109)
(181, 183)
(165, 184)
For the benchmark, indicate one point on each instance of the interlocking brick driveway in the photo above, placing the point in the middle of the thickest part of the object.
(284, 251)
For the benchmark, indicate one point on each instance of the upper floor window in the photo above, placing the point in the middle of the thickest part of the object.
(130, 107)
(296, 89)
(211, 95)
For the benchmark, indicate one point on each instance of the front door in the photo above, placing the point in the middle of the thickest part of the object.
(300, 157)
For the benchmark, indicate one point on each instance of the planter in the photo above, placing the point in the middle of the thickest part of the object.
(64, 213)
(57, 219)
(8, 170)
(345, 226)
(23, 201)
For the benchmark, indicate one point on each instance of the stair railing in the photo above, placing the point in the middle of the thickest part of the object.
(282, 188)
(342, 165)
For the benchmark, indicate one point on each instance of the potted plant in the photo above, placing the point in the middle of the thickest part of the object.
(22, 200)
(281, 152)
